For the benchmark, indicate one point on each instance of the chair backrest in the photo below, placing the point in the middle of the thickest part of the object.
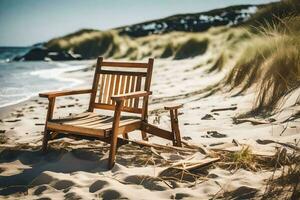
(113, 78)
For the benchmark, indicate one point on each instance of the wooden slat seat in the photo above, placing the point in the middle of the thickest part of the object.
(92, 124)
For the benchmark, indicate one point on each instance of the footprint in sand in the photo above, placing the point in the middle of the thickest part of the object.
(40, 190)
(208, 117)
(215, 134)
(44, 198)
(63, 184)
(146, 181)
(179, 196)
(71, 196)
(97, 185)
(110, 194)
(186, 138)
(242, 192)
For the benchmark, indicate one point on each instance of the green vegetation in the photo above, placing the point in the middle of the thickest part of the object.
(219, 64)
(191, 48)
(273, 13)
(271, 62)
(88, 43)
(168, 51)
(92, 43)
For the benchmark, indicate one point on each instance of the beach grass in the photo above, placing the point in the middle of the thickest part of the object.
(271, 62)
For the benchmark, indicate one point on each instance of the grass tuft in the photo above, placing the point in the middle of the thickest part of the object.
(191, 48)
(271, 63)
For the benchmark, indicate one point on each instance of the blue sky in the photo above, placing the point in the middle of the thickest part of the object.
(25, 22)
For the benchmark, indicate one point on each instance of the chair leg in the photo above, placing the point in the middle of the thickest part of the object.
(113, 150)
(125, 135)
(144, 135)
(45, 140)
(175, 128)
(114, 136)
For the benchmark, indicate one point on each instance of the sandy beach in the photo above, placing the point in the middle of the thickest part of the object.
(233, 66)
(75, 169)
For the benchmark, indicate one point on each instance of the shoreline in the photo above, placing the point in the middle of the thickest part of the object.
(55, 71)
(6, 110)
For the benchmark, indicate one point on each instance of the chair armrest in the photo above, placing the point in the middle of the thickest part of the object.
(130, 95)
(64, 93)
(173, 106)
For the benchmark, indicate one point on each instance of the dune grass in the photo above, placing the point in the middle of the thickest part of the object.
(273, 13)
(271, 62)
(168, 51)
(92, 43)
(89, 43)
(219, 64)
(191, 48)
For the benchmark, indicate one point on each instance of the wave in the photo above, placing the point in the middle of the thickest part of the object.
(41, 80)
(58, 73)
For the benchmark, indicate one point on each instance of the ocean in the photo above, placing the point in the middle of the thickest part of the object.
(20, 81)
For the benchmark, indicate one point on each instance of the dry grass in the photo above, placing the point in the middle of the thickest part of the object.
(246, 159)
(191, 48)
(92, 43)
(287, 184)
(236, 160)
(271, 62)
(273, 12)
(89, 44)
(219, 64)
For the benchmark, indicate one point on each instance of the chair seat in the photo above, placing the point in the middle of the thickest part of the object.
(93, 124)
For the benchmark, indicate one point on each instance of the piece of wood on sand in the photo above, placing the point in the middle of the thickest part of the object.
(251, 120)
(159, 146)
(190, 164)
(224, 109)
(194, 164)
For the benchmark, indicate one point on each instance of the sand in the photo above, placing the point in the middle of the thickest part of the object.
(75, 169)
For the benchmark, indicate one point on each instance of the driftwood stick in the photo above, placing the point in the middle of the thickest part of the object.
(193, 164)
(251, 120)
(199, 147)
(144, 143)
(224, 109)
(234, 141)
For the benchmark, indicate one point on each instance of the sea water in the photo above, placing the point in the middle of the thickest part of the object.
(21, 80)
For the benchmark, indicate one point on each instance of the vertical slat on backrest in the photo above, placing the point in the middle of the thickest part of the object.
(101, 87)
(132, 88)
(117, 84)
(137, 88)
(105, 89)
(122, 84)
(111, 88)
(126, 103)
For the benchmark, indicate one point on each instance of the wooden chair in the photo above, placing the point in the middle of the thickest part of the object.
(123, 87)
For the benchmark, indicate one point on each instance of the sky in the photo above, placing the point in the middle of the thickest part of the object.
(26, 22)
